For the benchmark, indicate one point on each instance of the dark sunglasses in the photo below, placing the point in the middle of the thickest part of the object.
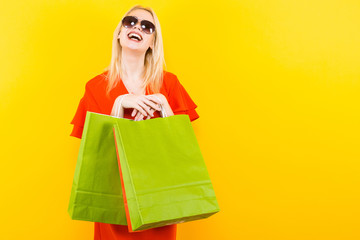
(146, 26)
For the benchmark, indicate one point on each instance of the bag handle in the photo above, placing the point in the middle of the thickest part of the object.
(162, 111)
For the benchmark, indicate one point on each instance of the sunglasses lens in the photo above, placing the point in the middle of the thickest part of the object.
(129, 21)
(148, 27)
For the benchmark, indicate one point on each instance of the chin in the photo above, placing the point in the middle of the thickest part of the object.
(135, 49)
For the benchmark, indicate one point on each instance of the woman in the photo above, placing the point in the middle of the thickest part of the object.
(134, 86)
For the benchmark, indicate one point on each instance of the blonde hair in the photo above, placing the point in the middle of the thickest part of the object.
(154, 58)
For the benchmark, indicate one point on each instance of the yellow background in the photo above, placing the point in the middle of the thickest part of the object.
(277, 88)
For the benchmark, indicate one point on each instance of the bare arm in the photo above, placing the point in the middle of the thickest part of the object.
(117, 109)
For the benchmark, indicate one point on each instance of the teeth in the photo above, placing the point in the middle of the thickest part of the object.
(135, 35)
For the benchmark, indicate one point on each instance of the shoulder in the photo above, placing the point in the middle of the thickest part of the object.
(170, 80)
(170, 77)
(97, 83)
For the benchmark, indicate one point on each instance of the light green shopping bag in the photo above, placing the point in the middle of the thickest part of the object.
(164, 177)
(96, 193)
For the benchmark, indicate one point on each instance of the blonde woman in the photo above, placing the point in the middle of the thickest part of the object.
(134, 86)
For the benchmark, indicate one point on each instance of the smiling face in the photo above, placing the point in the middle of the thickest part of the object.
(129, 41)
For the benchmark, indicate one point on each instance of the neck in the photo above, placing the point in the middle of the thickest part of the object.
(133, 64)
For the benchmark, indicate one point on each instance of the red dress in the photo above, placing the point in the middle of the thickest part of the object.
(95, 100)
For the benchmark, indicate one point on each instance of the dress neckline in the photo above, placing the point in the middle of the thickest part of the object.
(127, 91)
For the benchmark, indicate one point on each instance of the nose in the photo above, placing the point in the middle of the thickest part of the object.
(138, 25)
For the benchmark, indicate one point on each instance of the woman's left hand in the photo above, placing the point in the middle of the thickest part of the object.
(157, 98)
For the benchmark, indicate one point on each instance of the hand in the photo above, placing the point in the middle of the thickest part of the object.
(143, 105)
(157, 98)
(139, 102)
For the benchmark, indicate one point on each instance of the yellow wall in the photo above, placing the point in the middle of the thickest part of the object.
(277, 88)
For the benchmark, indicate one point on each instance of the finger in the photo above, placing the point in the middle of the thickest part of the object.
(139, 117)
(134, 112)
(152, 114)
(141, 110)
(151, 103)
(136, 116)
(154, 99)
(145, 107)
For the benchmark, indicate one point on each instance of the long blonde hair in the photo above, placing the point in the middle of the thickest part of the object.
(154, 58)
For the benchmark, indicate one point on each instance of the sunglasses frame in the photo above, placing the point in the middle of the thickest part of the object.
(138, 20)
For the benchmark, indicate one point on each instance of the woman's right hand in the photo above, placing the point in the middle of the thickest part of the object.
(138, 102)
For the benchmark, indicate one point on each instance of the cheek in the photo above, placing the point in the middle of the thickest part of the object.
(122, 36)
(149, 41)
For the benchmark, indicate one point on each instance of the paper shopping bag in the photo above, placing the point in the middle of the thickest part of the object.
(164, 177)
(96, 193)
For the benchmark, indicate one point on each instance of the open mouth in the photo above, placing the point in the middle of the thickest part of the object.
(134, 36)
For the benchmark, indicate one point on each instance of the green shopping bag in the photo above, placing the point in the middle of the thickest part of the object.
(164, 176)
(96, 193)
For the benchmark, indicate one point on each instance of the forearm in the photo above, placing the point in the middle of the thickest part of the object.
(117, 109)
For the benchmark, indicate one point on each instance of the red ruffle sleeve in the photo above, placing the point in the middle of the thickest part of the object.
(77, 120)
(87, 103)
(180, 101)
